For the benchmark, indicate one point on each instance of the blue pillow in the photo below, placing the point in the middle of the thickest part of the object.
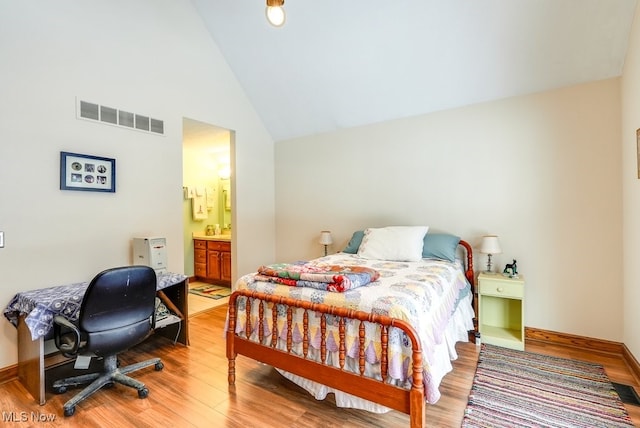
(354, 243)
(440, 246)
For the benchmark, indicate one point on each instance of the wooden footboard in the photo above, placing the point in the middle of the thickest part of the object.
(410, 401)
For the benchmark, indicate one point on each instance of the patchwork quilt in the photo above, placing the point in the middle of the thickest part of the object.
(322, 277)
(424, 293)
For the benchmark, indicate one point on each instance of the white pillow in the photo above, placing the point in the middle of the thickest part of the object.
(397, 243)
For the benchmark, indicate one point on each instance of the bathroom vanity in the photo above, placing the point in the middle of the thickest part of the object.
(212, 259)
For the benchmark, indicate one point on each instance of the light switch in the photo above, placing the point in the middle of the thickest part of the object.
(1, 239)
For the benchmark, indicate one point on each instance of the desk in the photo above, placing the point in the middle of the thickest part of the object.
(32, 313)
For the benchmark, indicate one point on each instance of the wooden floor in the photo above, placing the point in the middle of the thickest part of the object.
(192, 391)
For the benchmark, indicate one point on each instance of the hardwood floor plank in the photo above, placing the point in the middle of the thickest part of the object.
(192, 391)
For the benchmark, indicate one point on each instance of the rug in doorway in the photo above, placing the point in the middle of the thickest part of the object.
(523, 389)
(211, 291)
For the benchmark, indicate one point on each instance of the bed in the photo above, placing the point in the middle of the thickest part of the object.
(377, 345)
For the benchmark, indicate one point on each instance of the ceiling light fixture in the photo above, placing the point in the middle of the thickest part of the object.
(275, 12)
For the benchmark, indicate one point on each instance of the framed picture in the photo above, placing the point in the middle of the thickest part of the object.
(87, 173)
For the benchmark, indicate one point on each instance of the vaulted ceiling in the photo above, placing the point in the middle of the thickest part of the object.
(343, 63)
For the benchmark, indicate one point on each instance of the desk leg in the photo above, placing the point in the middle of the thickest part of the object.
(31, 362)
(176, 297)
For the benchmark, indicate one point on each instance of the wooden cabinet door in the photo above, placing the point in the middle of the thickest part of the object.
(200, 263)
(225, 266)
(213, 264)
(200, 270)
(200, 258)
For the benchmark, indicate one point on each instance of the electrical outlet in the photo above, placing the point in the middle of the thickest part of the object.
(1, 239)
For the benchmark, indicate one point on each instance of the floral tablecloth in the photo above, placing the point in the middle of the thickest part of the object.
(42, 305)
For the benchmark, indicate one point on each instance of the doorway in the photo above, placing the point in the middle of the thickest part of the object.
(206, 178)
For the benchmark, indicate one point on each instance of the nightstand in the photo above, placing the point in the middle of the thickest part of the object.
(501, 307)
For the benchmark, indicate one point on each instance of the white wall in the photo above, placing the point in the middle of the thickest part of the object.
(631, 189)
(541, 171)
(147, 56)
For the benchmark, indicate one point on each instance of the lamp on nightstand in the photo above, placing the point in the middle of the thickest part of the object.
(489, 246)
(325, 239)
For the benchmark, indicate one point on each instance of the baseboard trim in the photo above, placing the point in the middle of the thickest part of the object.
(581, 342)
(8, 373)
(572, 340)
(632, 362)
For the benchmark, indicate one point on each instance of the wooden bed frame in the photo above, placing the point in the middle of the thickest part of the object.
(410, 401)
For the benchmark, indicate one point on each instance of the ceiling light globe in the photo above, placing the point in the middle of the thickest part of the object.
(275, 15)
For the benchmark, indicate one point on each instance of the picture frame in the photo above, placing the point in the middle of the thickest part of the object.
(87, 173)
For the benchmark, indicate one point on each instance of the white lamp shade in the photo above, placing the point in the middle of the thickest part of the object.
(490, 245)
(325, 238)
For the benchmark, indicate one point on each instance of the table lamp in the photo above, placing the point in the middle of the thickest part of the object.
(489, 246)
(325, 239)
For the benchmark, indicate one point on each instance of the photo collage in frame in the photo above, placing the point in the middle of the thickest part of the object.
(87, 173)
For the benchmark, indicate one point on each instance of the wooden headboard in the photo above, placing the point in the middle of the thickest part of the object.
(471, 277)
(468, 272)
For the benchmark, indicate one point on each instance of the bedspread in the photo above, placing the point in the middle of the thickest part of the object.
(423, 293)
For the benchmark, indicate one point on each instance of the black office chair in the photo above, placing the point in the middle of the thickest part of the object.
(117, 312)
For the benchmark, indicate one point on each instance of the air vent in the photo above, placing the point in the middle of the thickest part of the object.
(89, 110)
(142, 122)
(109, 115)
(113, 116)
(157, 126)
(125, 118)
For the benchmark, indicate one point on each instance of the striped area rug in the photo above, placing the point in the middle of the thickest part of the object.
(522, 389)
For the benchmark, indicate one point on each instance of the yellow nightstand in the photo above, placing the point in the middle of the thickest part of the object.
(501, 307)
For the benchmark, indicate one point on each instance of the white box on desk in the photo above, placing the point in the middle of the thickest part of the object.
(152, 252)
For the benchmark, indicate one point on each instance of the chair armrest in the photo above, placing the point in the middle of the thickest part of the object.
(62, 328)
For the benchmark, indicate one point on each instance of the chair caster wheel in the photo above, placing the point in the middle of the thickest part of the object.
(69, 411)
(159, 366)
(59, 389)
(108, 385)
(143, 393)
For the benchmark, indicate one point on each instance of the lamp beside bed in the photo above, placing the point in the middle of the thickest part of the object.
(490, 246)
(325, 239)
